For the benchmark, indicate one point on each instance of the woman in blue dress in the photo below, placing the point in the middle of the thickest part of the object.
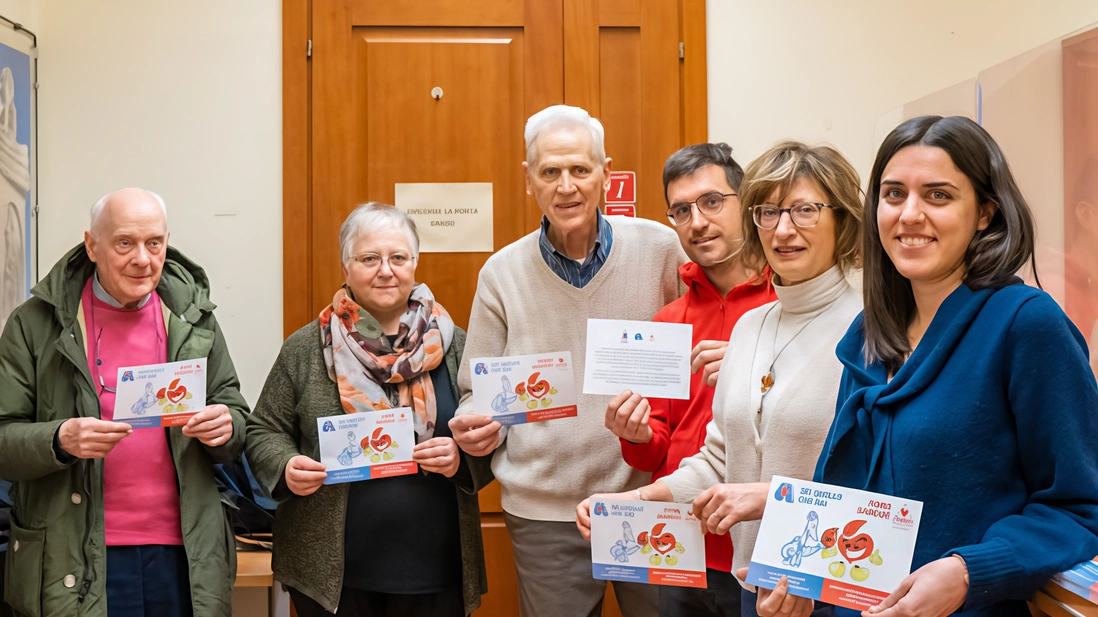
(962, 387)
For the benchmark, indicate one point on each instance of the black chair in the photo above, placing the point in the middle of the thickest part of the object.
(251, 514)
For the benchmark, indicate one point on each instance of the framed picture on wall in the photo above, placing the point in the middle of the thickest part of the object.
(18, 195)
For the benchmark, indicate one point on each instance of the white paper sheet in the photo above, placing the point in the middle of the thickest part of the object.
(651, 359)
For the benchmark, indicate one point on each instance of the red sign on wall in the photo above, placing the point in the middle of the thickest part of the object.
(623, 188)
(621, 209)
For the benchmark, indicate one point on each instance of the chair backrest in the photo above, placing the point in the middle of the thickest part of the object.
(250, 511)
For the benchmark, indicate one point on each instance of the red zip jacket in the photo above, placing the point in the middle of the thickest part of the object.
(678, 427)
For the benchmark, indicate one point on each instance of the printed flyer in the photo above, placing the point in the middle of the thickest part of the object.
(650, 358)
(1082, 580)
(157, 395)
(368, 445)
(652, 542)
(838, 545)
(520, 389)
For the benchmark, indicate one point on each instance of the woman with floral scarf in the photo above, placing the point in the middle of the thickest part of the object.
(399, 546)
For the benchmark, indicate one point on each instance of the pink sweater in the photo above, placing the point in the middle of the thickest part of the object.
(140, 491)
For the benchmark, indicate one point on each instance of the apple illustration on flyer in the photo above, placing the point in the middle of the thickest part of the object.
(158, 395)
(837, 545)
(367, 445)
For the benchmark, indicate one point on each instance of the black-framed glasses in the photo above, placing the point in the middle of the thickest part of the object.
(99, 363)
(708, 204)
(802, 215)
(97, 366)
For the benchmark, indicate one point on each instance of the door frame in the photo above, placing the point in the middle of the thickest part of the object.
(298, 39)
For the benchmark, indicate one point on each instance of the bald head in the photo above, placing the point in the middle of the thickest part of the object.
(126, 200)
(128, 242)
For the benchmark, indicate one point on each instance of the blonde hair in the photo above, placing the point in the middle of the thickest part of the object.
(778, 169)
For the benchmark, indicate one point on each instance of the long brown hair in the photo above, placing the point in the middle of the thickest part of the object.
(993, 256)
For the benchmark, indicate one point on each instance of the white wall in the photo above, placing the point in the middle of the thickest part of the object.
(24, 12)
(824, 71)
(183, 98)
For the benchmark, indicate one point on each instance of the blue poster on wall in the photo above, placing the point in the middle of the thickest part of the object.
(15, 179)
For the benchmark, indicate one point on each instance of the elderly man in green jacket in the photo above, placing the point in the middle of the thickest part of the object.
(107, 518)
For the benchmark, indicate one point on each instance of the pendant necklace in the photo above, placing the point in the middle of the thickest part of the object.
(767, 381)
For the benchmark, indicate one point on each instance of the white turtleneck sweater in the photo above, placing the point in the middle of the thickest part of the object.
(743, 445)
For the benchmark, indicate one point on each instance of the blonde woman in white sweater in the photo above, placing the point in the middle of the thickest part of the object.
(776, 389)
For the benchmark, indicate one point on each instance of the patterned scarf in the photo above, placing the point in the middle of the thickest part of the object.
(360, 358)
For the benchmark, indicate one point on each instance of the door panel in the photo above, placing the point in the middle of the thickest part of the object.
(620, 72)
(471, 134)
(439, 13)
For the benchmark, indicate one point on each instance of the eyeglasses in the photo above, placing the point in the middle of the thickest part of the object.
(803, 215)
(99, 363)
(708, 204)
(161, 354)
(373, 261)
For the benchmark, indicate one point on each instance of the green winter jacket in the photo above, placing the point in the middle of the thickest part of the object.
(56, 563)
(308, 531)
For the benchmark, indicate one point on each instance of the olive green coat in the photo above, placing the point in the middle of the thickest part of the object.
(56, 563)
(308, 546)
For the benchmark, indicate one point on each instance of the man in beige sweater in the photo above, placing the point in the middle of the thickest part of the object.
(535, 296)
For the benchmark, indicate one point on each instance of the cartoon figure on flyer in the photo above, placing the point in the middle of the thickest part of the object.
(379, 444)
(146, 402)
(504, 399)
(625, 547)
(660, 543)
(534, 390)
(352, 451)
(804, 545)
(854, 547)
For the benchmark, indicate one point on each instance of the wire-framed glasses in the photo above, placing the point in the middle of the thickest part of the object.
(802, 215)
(373, 261)
(708, 204)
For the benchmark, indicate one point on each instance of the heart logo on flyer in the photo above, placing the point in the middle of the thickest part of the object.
(903, 512)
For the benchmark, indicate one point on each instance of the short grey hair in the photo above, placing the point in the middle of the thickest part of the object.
(98, 206)
(370, 217)
(558, 117)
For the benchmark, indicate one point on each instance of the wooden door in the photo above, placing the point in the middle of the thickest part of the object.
(359, 117)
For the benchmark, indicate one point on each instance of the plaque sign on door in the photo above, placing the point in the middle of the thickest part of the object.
(451, 217)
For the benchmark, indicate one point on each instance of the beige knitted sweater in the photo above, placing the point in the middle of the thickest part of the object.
(522, 307)
(742, 445)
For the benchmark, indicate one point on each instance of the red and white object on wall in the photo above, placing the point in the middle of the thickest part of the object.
(621, 197)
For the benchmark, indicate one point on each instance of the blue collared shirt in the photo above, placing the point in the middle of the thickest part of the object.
(568, 269)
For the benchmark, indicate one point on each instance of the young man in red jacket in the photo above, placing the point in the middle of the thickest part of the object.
(700, 184)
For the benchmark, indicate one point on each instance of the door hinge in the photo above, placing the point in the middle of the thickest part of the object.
(309, 49)
(682, 50)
